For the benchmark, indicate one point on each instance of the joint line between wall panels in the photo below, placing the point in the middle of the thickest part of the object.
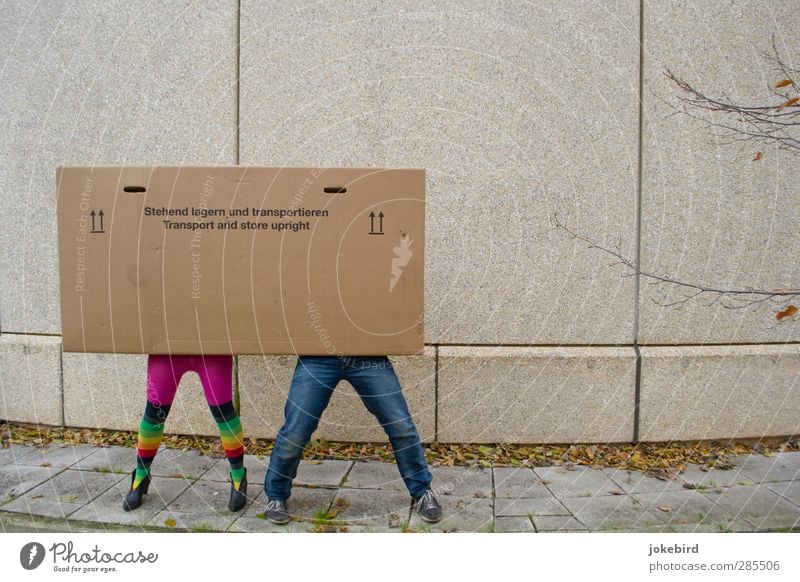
(61, 383)
(637, 395)
(436, 395)
(637, 280)
(238, 76)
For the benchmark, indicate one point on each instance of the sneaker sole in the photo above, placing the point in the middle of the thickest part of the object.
(276, 522)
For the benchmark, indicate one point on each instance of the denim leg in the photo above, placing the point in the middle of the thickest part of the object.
(375, 381)
(312, 386)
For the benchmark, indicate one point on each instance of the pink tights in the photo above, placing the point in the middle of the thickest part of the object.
(164, 373)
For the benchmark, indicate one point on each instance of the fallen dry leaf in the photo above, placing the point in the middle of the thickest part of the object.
(661, 460)
(664, 507)
(788, 312)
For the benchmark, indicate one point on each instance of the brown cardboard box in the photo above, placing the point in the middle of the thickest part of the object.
(241, 260)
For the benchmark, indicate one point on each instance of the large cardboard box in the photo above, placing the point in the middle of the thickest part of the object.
(241, 260)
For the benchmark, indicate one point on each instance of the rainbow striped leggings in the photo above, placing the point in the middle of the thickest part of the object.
(164, 373)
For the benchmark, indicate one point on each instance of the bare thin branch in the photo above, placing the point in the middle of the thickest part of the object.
(765, 123)
(724, 296)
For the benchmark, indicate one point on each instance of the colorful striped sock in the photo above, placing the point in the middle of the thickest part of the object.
(151, 431)
(230, 431)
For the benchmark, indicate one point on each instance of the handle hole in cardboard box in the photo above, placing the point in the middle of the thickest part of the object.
(134, 189)
(335, 190)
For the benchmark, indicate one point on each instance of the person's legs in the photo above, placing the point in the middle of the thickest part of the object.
(215, 375)
(375, 381)
(315, 378)
(163, 376)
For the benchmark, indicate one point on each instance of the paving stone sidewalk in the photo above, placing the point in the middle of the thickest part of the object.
(81, 488)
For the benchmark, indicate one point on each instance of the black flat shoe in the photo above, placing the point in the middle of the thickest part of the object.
(134, 497)
(428, 507)
(238, 498)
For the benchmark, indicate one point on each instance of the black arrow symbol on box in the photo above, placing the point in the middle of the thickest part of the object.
(100, 214)
(372, 222)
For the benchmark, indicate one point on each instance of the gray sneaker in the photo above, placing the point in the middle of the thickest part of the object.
(276, 512)
(428, 507)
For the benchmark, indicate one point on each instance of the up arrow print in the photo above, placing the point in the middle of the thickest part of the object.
(99, 215)
(372, 223)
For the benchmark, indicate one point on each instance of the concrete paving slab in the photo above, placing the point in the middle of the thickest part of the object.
(17, 479)
(374, 475)
(326, 473)
(557, 523)
(109, 459)
(780, 467)
(789, 490)
(700, 528)
(42, 507)
(525, 507)
(738, 460)
(515, 483)
(637, 482)
(202, 507)
(350, 528)
(54, 455)
(611, 513)
(706, 392)
(220, 470)
(517, 394)
(256, 525)
(107, 508)
(377, 508)
(80, 485)
(180, 464)
(660, 529)
(64, 494)
(462, 481)
(513, 524)
(686, 508)
(579, 482)
(759, 506)
(12, 452)
(702, 477)
(419, 100)
(303, 503)
(31, 389)
(465, 514)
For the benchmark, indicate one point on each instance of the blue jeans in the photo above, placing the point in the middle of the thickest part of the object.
(375, 381)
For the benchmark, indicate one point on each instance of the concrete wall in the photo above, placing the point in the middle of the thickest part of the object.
(518, 111)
